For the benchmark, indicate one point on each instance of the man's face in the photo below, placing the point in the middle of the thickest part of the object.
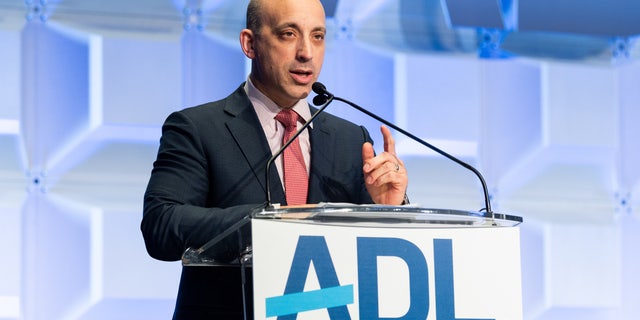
(288, 51)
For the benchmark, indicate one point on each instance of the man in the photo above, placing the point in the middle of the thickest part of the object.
(211, 162)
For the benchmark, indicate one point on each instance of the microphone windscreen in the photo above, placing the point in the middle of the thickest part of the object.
(319, 88)
(319, 99)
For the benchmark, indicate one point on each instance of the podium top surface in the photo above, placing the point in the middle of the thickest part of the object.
(346, 214)
(373, 214)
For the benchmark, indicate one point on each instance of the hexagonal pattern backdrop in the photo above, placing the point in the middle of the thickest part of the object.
(542, 97)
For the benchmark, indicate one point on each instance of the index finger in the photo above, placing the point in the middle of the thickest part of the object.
(389, 142)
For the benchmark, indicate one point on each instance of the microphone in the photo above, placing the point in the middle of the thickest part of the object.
(324, 101)
(322, 92)
(324, 96)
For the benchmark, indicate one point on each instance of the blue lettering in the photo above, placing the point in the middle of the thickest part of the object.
(443, 269)
(331, 296)
(368, 251)
(335, 297)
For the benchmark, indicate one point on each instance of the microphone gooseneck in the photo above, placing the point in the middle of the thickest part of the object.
(327, 97)
(324, 102)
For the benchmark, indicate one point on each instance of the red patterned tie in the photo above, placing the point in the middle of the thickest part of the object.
(296, 179)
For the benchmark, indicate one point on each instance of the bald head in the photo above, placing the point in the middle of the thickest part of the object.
(255, 11)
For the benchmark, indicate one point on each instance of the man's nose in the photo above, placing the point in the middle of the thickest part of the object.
(305, 49)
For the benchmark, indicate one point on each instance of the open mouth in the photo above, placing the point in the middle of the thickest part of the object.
(302, 76)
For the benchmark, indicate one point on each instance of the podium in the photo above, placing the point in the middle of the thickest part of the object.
(344, 261)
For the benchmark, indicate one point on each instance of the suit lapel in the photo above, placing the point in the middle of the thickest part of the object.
(321, 157)
(248, 134)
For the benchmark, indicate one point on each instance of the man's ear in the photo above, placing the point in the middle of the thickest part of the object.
(246, 43)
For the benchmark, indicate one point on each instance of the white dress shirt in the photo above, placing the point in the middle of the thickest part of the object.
(267, 110)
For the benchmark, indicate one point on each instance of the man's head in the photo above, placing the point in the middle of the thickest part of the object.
(285, 39)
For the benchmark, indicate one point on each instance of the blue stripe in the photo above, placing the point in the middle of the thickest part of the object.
(310, 300)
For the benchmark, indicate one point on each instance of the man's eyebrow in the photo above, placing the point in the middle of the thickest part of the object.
(287, 25)
(297, 27)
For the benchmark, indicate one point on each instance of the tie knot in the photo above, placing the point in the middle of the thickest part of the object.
(288, 118)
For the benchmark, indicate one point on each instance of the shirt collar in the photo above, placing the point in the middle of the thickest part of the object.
(267, 109)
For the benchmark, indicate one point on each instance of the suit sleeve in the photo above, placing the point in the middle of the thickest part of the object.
(176, 212)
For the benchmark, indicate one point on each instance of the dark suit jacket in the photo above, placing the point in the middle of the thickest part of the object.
(210, 173)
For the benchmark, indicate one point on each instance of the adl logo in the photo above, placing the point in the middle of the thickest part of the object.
(335, 297)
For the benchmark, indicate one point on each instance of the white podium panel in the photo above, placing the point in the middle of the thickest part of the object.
(316, 270)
